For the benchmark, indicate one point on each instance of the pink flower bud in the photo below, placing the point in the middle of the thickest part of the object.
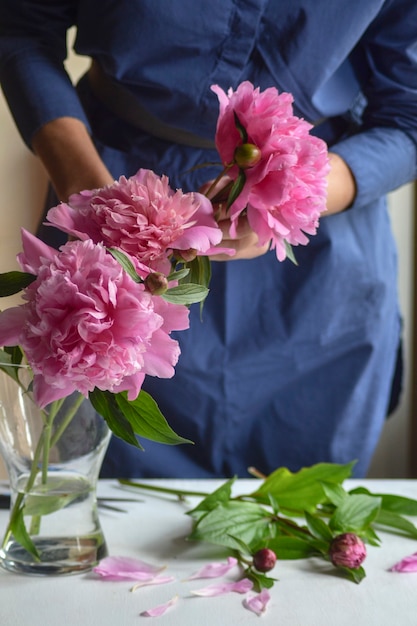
(264, 560)
(156, 283)
(185, 255)
(347, 550)
(247, 155)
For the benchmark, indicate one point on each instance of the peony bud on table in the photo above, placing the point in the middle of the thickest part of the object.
(264, 560)
(347, 550)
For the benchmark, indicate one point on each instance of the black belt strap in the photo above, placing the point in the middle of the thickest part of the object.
(124, 105)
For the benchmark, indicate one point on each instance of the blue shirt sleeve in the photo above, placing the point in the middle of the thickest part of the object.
(32, 52)
(383, 155)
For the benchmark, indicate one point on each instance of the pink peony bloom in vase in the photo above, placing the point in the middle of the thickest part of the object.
(285, 167)
(142, 216)
(86, 323)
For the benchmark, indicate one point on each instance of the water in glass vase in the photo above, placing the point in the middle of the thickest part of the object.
(61, 519)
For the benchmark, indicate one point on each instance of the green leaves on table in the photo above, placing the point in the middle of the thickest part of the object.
(297, 515)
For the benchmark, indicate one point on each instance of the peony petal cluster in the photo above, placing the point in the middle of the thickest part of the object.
(285, 187)
(142, 216)
(86, 323)
(347, 550)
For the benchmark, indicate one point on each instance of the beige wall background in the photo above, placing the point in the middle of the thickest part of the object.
(23, 184)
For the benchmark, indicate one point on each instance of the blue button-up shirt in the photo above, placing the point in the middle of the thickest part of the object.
(290, 365)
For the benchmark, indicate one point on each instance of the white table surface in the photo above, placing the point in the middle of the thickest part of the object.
(308, 593)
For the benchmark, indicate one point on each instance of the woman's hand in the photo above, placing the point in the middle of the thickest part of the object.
(245, 243)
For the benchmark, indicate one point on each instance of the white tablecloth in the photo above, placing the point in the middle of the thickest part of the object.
(308, 593)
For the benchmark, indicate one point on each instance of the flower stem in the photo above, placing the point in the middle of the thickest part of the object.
(180, 493)
(46, 442)
(216, 182)
(67, 420)
(19, 502)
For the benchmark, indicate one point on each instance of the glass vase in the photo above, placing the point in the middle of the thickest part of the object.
(53, 458)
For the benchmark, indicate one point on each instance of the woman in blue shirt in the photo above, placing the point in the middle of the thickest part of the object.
(291, 365)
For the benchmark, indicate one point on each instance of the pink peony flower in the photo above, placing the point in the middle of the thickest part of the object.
(87, 324)
(142, 216)
(285, 187)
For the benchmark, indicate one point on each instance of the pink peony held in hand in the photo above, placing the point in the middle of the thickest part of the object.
(285, 188)
(87, 324)
(142, 216)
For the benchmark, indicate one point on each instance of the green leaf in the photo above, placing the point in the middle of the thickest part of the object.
(105, 403)
(219, 496)
(388, 519)
(10, 360)
(236, 188)
(179, 274)
(18, 528)
(318, 527)
(290, 252)
(260, 581)
(303, 490)
(46, 505)
(200, 274)
(396, 504)
(356, 575)
(126, 264)
(369, 536)
(13, 282)
(200, 271)
(146, 419)
(186, 293)
(334, 492)
(291, 548)
(355, 513)
(247, 521)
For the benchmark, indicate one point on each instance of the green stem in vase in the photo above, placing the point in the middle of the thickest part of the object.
(46, 447)
(18, 506)
(40, 463)
(67, 420)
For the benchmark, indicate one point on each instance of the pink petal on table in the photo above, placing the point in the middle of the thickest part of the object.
(213, 570)
(241, 586)
(407, 565)
(161, 609)
(126, 568)
(257, 604)
(157, 580)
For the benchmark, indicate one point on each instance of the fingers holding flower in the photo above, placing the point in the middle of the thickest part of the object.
(244, 243)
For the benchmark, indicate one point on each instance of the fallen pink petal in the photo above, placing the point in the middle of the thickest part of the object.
(157, 580)
(407, 565)
(161, 609)
(126, 568)
(257, 604)
(213, 570)
(241, 586)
